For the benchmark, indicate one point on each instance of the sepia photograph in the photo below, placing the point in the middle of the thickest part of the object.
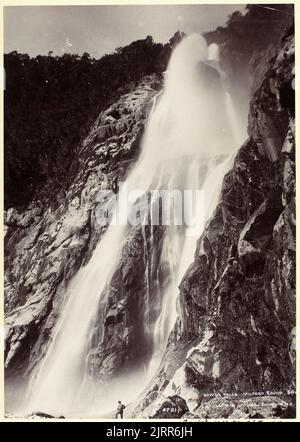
(149, 212)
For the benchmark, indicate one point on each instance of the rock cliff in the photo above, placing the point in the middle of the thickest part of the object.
(231, 353)
(46, 244)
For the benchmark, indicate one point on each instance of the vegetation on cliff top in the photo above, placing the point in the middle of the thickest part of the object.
(253, 31)
(50, 103)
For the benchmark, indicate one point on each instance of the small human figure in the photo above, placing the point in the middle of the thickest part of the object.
(246, 410)
(120, 410)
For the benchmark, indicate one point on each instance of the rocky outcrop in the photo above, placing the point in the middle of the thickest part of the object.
(46, 245)
(121, 337)
(237, 299)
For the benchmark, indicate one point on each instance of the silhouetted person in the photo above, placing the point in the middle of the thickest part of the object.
(120, 410)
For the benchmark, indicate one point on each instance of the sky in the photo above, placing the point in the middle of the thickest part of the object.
(100, 29)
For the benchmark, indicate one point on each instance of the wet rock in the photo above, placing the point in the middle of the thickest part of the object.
(237, 300)
(125, 343)
(257, 233)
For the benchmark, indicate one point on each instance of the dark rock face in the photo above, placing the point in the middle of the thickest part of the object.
(121, 339)
(45, 246)
(237, 299)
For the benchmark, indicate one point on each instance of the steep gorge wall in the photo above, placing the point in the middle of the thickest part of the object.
(236, 319)
(46, 245)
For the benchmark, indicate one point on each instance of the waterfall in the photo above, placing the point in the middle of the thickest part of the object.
(235, 124)
(188, 144)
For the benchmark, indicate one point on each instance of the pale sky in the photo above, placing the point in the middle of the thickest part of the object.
(100, 29)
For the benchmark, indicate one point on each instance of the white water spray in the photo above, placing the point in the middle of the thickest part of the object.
(186, 132)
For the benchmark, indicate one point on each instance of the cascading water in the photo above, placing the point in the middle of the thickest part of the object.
(188, 144)
(235, 124)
